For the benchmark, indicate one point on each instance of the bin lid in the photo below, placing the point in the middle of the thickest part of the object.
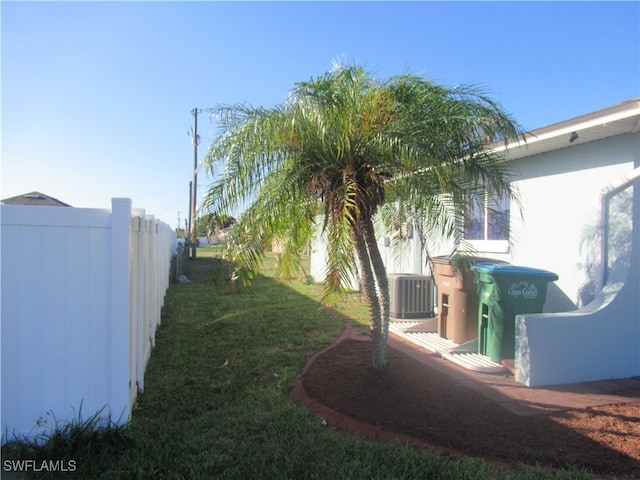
(508, 269)
(448, 259)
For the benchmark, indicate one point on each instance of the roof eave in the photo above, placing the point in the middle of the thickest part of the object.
(615, 120)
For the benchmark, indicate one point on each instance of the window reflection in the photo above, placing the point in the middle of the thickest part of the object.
(489, 221)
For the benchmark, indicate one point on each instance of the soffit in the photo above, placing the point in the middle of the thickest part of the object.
(617, 120)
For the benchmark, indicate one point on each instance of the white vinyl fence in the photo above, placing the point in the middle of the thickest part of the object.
(81, 295)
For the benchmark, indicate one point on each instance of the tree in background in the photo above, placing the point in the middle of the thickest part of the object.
(210, 224)
(348, 145)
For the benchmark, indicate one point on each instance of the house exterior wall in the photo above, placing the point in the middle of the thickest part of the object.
(559, 194)
(598, 341)
(318, 258)
(405, 256)
(398, 257)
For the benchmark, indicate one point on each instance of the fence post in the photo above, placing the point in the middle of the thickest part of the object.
(137, 341)
(138, 306)
(120, 407)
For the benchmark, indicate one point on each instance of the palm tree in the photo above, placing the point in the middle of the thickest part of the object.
(348, 145)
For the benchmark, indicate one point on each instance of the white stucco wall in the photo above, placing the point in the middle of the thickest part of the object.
(559, 194)
(402, 257)
(597, 342)
(319, 259)
(398, 257)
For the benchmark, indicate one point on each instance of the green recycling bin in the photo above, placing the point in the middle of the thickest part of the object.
(505, 291)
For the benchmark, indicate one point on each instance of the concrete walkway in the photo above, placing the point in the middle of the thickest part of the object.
(519, 398)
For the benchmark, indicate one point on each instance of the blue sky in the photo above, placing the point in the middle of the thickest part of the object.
(97, 96)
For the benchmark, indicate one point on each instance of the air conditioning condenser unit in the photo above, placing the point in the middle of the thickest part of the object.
(410, 295)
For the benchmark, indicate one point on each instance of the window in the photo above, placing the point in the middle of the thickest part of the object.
(489, 221)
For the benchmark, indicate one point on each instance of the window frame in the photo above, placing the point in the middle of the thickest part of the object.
(486, 244)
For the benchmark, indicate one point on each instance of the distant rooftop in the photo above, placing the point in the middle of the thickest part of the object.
(34, 198)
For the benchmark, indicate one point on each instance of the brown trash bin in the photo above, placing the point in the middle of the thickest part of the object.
(457, 300)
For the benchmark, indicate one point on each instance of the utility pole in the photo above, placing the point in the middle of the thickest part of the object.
(195, 139)
(187, 228)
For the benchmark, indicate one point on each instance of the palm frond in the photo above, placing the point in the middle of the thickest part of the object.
(355, 144)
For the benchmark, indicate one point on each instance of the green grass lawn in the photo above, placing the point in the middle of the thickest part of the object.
(216, 399)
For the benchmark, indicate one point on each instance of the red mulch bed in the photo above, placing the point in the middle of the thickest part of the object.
(423, 403)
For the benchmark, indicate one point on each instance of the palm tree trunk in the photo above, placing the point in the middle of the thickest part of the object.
(380, 274)
(370, 289)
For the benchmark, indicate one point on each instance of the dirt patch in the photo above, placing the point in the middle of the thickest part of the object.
(426, 404)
